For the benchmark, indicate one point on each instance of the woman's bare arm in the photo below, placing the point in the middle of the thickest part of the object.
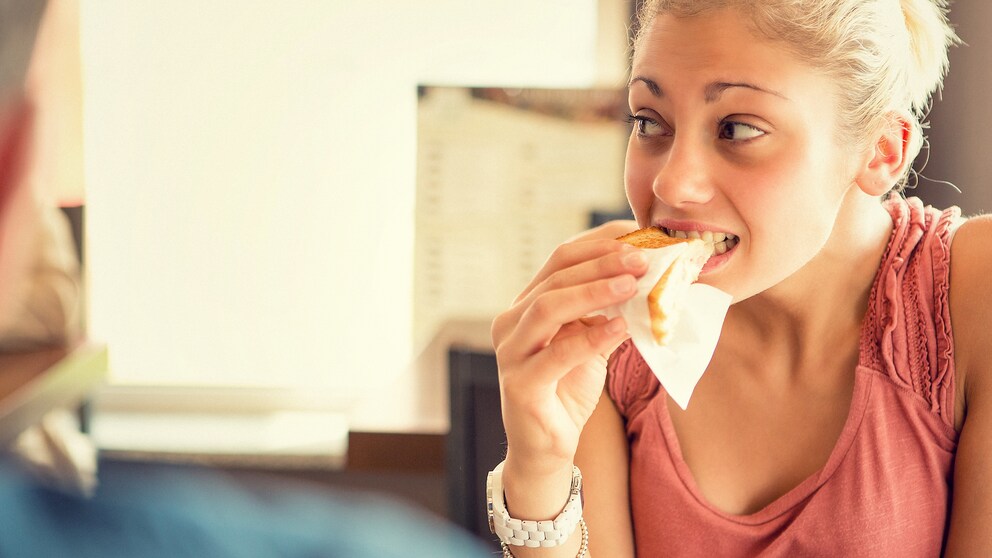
(603, 457)
(971, 312)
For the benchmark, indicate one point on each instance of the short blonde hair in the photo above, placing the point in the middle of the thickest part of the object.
(885, 54)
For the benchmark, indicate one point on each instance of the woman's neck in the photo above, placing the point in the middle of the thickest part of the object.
(822, 305)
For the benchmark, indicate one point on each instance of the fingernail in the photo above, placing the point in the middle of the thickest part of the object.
(622, 285)
(635, 259)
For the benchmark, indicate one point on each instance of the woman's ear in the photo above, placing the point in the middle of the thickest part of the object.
(889, 157)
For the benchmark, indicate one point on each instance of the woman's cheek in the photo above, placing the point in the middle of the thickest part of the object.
(638, 181)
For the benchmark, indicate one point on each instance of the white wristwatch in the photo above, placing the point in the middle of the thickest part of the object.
(523, 532)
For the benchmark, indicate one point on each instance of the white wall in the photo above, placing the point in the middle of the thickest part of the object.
(250, 173)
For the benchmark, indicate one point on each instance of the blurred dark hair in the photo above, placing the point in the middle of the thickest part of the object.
(19, 21)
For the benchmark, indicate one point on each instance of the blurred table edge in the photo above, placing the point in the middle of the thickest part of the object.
(32, 383)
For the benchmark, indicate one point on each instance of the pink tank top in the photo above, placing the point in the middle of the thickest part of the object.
(885, 488)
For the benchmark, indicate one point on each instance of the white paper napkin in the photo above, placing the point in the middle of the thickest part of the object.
(681, 362)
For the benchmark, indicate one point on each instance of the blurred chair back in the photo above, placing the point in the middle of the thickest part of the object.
(476, 442)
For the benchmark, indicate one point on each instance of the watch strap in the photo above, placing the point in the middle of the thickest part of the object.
(530, 533)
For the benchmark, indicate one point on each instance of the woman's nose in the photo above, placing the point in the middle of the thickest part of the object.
(685, 177)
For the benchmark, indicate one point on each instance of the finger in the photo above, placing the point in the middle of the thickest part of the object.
(574, 253)
(568, 352)
(588, 322)
(612, 264)
(542, 319)
(593, 321)
(631, 261)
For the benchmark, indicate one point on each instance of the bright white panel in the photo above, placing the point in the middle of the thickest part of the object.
(250, 171)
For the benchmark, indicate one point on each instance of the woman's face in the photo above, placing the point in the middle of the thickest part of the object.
(733, 135)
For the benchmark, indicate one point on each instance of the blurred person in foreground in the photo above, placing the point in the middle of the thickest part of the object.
(149, 510)
(39, 275)
(39, 269)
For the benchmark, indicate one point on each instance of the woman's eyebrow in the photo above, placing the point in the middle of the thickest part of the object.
(714, 90)
(711, 93)
(652, 85)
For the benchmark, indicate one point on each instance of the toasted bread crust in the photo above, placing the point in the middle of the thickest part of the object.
(650, 237)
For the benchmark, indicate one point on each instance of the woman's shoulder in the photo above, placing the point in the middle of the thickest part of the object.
(971, 247)
(971, 274)
(970, 300)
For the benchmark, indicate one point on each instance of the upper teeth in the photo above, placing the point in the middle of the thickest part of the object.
(720, 242)
(706, 236)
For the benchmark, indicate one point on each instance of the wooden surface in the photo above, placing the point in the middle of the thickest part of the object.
(395, 452)
(17, 369)
(35, 382)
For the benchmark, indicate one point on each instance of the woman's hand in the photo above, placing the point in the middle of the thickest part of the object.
(552, 357)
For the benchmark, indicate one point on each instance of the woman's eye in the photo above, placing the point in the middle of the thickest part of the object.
(645, 126)
(738, 131)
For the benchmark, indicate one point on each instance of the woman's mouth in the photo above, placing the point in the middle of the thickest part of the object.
(719, 242)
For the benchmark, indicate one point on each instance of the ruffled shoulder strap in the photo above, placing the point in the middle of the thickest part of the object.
(907, 332)
(629, 381)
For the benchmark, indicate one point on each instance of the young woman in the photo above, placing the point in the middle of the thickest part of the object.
(848, 403)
